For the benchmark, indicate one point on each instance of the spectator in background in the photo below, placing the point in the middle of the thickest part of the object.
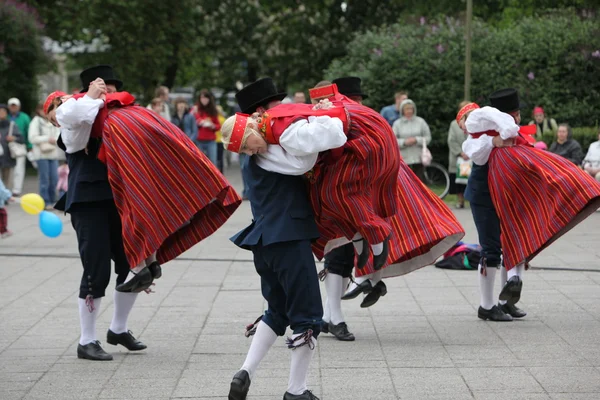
(5, 198)
(162, 92)
(591, 163)
(392, 112)
(43, 136)
(219, 140)
(566, 146)
(543, 123)
(411, 132)
(207, 120)
(184, 119)
(456, 137)
(22, 121)
(156, 105)
(299, 97)
(9, 131)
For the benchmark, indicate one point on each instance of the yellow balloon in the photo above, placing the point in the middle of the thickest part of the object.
(32, 203)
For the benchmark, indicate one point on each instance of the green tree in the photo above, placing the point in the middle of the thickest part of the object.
(21, 53)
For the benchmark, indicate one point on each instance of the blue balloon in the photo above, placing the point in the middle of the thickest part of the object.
(50, 224)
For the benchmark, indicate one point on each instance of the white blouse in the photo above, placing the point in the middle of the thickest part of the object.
(300, 145)
(76, 117)
(485, 119)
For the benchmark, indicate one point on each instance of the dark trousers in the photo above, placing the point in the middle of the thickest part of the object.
(220, 159)
(340, 261)
(3, 220)
(290, 285)
(98, 228)
(488, 228)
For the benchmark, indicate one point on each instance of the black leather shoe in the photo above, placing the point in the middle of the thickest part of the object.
(93, 351)
(240, 385)
(324, 327)
(379, 261)
(512, 310)
(379, 290)
(493, 314)
(155, 270)
(363, 258)
(511, 292)
(125, 339)
(363, 287)
(307, 395)
(340, 331)
(141, 281)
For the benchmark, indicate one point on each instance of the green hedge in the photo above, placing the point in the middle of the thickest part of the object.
(553, 61)
(585, 136)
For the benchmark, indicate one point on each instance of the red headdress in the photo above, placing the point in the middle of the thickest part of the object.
(466, 109)
(323, 92)
(51, 98)
(237, 135)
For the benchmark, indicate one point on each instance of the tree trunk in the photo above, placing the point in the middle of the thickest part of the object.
(171, 72)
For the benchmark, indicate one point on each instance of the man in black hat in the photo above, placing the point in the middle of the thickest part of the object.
(95, 218)
(349, 86)
(488, 227)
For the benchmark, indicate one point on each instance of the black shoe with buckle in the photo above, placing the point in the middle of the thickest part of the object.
(363, 258)
(125, 339)
(340, 331)
(93, 351)
(378, 291)
(511, 292)
(307, 395)
(240, 385)
(512, 310)
(140, 282)
(155, 269)
(324, 326)
(379, 260)
(493, 314)
(364, 287)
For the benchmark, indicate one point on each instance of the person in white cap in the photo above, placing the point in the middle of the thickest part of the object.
(22, 121)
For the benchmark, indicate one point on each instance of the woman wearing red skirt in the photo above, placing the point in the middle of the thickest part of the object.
(534, 198)
(168, 194)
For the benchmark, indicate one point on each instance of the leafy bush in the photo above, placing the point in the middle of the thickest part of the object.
(554, 61)
(21, 54)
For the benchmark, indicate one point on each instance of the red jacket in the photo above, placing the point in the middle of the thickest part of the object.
(203, 132)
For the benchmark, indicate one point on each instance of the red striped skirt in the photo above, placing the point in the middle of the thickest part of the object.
(539, 197)
(358, 192)
(169, 195)
(423, 229)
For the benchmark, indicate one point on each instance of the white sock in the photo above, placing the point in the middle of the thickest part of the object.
(377, 248)
(123, 305)
(376, 277)
(520, 270)
(358, 243)
(326, 313)
(87, 320)
(514, 271)
(334, 287)
(262, 341)
(356, 282)
(345, 284)
(486, 287)
(151, 259)
(503, 279)
(301, 357)
(135, 270)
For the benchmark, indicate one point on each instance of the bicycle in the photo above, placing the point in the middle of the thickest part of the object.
(435, 176)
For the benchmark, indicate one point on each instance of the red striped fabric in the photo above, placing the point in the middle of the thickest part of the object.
(169, 195)
(539, 196)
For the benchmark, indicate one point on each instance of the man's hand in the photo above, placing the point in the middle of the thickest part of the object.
(497, 141)
(410, 141)
(52, 141)
(464, 156)
(10, 138)
(97, 89)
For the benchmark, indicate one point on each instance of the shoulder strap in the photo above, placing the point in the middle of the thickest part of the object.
(11, 128)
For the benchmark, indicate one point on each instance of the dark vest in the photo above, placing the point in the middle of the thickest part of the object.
(478, 189)
(88, 181)
(280, 207)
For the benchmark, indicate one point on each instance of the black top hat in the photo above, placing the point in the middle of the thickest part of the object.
(506, 100)
(257, 94)
(350, 86)
(105, 72)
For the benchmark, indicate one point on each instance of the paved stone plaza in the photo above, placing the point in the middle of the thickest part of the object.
(421, 341)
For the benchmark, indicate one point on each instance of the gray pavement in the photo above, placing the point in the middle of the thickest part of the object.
(421, 341)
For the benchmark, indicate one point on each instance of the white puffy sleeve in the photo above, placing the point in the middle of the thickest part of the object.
(489, 118)
(75, 112)
(276, 159)
(479, 149)
(313, 136)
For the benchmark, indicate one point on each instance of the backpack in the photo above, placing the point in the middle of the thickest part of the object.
(461, 256)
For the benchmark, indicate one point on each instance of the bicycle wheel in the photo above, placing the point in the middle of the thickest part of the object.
(436, 178)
